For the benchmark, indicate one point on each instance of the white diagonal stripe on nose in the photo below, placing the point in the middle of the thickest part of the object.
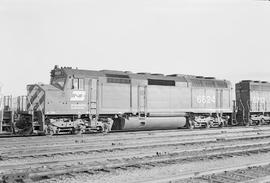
(41, 106)
(36, 100)
(41, 93)
(32, 92)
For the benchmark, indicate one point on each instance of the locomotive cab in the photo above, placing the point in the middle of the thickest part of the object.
(62, 106)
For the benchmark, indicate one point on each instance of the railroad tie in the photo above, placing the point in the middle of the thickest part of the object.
(16, 177)
(213, 178)
(243, 176)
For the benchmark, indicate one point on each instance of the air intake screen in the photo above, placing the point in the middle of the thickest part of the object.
(196, 83)
(118, 80)
(221, 84)
(266, 88)
(209, 83)
(161, 82)
(116, 76)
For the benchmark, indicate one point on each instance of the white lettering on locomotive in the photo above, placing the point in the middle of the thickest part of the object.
(206, 99)
(78, 106)
(77, 96)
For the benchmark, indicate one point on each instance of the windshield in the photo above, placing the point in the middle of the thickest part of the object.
(59, 82)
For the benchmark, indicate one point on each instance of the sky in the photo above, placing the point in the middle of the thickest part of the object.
(227, 39)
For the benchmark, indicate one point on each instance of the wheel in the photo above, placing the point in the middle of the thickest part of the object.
(76, 132)
(262, 122)
(50, 130)
(226, 124)
(100, 129)
(190, 125)
(248, 123)
(72, 131)
(221, 124)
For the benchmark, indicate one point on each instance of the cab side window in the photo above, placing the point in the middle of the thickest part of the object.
(78, 84)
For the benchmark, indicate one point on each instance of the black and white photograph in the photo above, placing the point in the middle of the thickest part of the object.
(134, 91)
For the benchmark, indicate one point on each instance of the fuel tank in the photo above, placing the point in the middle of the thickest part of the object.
(149, 123)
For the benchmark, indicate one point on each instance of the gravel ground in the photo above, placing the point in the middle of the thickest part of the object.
(159, 173)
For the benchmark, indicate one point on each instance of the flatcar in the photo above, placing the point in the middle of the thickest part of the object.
(1, 110)
(6, 114)
(253, 102)
(86, 100)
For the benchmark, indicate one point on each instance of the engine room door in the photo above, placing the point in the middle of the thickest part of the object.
(92, 97)
(219, 99)
(142, 101)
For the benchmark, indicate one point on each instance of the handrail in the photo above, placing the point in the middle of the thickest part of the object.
(243, 115)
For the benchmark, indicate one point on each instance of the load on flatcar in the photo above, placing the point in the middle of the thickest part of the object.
(85, 100)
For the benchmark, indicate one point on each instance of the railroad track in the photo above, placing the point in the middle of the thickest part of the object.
(134, 156)
(65, 139)
(117, 149)
(251, 173)
(125, 133)
(82, 148)
(44, 143)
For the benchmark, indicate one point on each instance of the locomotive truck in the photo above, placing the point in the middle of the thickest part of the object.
(87, 100)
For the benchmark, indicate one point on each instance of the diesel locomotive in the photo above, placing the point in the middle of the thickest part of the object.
(253, 102)
(86, 100)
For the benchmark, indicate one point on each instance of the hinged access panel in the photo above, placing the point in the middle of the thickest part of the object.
(142, 101)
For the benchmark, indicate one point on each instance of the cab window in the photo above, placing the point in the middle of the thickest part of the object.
(78, 84)
(59, 82)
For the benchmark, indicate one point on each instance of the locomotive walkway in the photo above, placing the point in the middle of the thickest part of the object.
(146, 156)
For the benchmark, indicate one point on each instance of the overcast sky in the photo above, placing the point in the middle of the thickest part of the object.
(227, 39)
